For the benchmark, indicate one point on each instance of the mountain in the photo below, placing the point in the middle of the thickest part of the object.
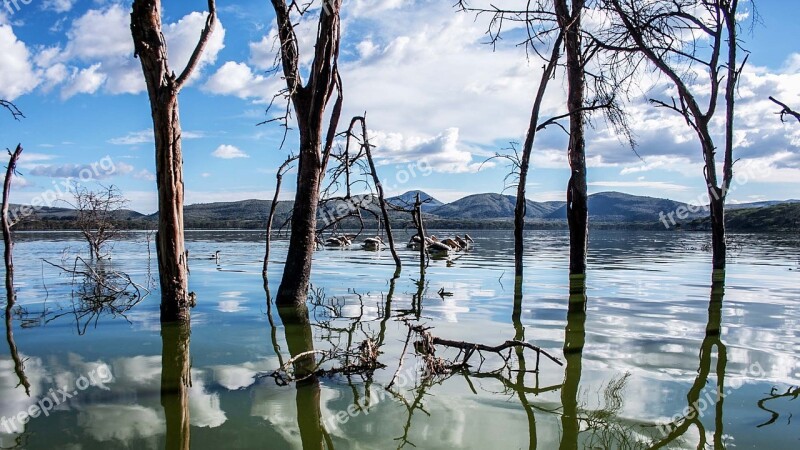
(608, 207)
(407, 199)
(782, 216)
(492, 206)
(490, 210)
(763, 204)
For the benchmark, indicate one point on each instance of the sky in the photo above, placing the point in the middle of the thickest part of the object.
(439, 101)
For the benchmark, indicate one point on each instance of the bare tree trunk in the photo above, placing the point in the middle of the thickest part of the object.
(577, 195)
(272, 208)
(176, 379)
(297, 270)
(381, 196)
(9, 245)
(417, 216)
(163, 88)
(309, 102)
(11, 297)
(533, 127)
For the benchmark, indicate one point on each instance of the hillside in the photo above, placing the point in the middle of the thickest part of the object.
(490, 210)
(780, 217)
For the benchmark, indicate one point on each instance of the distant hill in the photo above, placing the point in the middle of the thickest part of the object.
(779, 217)
(407, 200)
(492, 207)
(619, 207)
(490, 210)
(763, 204)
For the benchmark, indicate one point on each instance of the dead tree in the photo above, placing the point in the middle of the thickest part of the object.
(163, 87)
(569, 21)
(19, 367)
(96, 215)
(285, 167)
(309, 101)
(551, 25)
(786, 110)
(11, 169)
(12, 108)
(681, 38)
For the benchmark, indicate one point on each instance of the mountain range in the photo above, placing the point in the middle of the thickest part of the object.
(490, 210)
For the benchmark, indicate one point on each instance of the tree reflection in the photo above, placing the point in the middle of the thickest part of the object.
(696, 406)
(176, 379)
(300, 340)
(574, 339)
(19, 366)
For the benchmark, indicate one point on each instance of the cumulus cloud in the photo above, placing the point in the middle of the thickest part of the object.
(228, 152)
(146, 136)
(99, 52)
(82, 171)
(237, 79)
(59, 6)
(18, 75)
(442, 152)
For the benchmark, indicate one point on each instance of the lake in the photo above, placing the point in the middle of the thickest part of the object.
(659, 359)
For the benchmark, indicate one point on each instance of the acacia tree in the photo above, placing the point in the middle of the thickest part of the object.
(695, 45)
(163, 87)
(309, 101)
(96, 211)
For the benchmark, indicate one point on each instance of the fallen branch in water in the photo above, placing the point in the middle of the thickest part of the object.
(365, 355)
(426, 347)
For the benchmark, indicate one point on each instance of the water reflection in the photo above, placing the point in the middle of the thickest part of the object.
(698, 404)
(574, 339)
(176, 380)
(300, 342)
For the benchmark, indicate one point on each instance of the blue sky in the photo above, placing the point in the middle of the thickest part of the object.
(431, 88)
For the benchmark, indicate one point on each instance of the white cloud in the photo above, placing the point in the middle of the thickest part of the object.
(144, 174)
(18, 76)
(442, 152)
(238, 79)
(664, 186)
(146, 136)
(228, 152)
(101, 38)
(83, 81)
(59, 6)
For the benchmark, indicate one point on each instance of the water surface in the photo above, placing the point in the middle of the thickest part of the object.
(643, 366)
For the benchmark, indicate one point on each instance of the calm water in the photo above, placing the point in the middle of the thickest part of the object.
(656, 338)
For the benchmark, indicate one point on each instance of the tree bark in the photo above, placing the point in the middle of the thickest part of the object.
(163, 87)
(521, 204)
(309, 102)
(272, 208)
(297, 270)
(577, 196)
(9, 244)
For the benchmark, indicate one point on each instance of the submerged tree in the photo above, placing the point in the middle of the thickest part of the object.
(696, 46)
(163, 87)
(97, 212)
(309, 101)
